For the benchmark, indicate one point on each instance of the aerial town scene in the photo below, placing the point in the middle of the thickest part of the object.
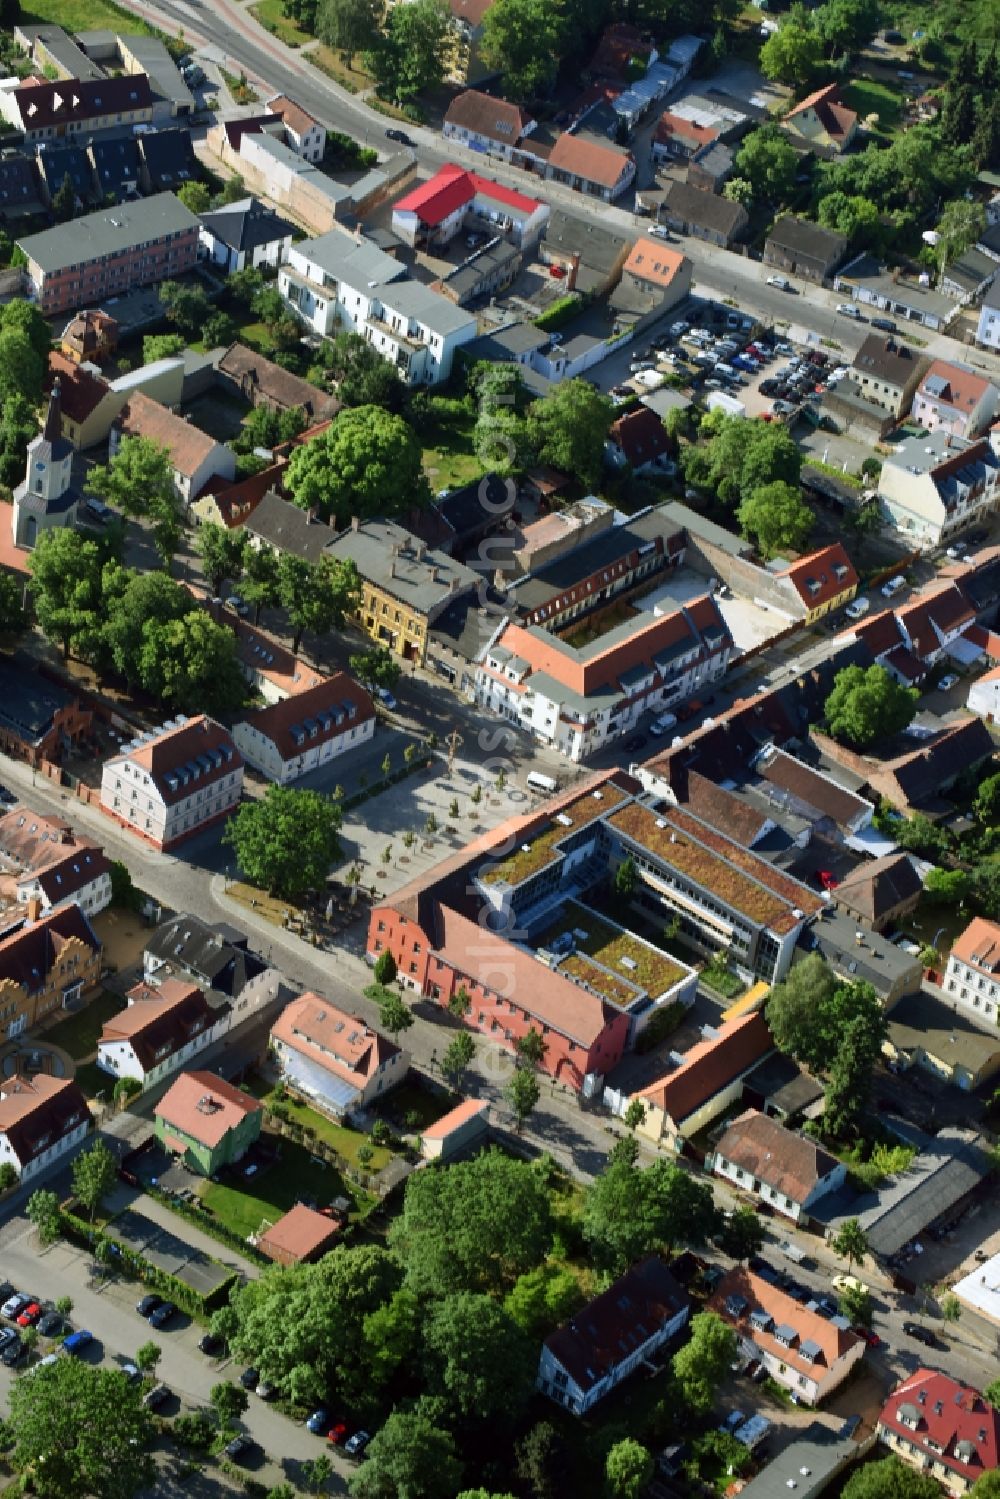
(500, 749)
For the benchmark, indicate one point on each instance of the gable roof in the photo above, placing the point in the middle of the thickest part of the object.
(36, 1112)
(205, 1107)
(187, 755)
(611, 1327)
(469, 1108)
(261, 380)
(950, 1423)
(313, 716)
(938, 762)
(481, 114)
(217, 956)
(168, 156)
(589, 160)
(653, 261)
(812, 787)
(979, 946)
(883, 356)
(333, 1040)
(835, 118)
(70, 101)
(878, 886)
(451, 187)
(954, 385)
(300, 1234)
(261, 655)
(28, 953)
(287, 528)
(641, 436)
(803, 237)
(707, 210)
(671, 125)
(187, 445)
(159, 1021)
(822, 576)
(47, 849)
(741, 1293)
(709, 1066)
(788, 1162)
(292, 115)
(246, 225)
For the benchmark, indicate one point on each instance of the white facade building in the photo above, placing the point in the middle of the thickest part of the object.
(934, 487)
(306, 136)
(41, 1118)
(162, 1027)
(972, 978)
(334, 1058)
(988, 331)
(166, 787)
(288, 739)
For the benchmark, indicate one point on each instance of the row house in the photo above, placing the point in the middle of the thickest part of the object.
(708, 1080)
(161, 1028)
(47, 964)
(165, 787)
(41, 1118)
(45, 111)
(592, 168)
(913, 639)
(579, 699)
(486, 124)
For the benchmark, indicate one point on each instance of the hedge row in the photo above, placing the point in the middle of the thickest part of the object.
(562, 311)
(208, 1225)
(109, 1251)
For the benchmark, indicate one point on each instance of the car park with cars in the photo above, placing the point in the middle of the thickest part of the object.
(162, 1314)
(356, 1444)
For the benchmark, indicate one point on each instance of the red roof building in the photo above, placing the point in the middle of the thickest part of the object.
(939, 1426)
(302, 1235)
(438, 208)
(168, 786)
(599, 170)
(824, 580)
(699, 1089)
(41, 1118)
(638, 439)
(334, 1058)
(288, 739)
(823, 120)
(677, 136)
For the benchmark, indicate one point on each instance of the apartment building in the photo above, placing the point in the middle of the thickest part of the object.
(954, 399)
(110, 252)
(887, 372)
(46, 111)
(706, 1082)
(41, 1118)
(46, 964)
(942, 1428)
(334, 1058)
(288, 739)
(934, 487)
(45, 861)
(581, 698)
(161, 1028)
(167, 786)
(338, 282)
(972, 977)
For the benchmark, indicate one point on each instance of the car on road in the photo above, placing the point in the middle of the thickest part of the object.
(870, 1336)
(250, 1379)
(920, 1334)
(30, 1315)
(13, 1350)
(660, 231)
(850, 1426)
(355, 1445)
(148, 1304)
(131, 1371)
(678, 329)
(242, 1448)
(161, 1315)
(781, 282)
(14, 1305)
(848, 309)
(238, 605)
(211, 1342)
(386, 698)
(884, 324)
(50, 1325)
(663, 724)
(265, 1391)
(946, 683)
(957, 550)
(858, 607)
(890, 589)
(395, 134)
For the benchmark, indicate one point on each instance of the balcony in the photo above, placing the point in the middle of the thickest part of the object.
(396, 334)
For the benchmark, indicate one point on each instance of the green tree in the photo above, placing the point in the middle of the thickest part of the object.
(460, 1002)
(139, 481)
(64, 1305)
(847, 25)
(408, 1456)
(739, 190)
(890, 1479)
(233, 190)
(987, 1485)
(94, 1174)
(243, 286)
(228, 1401)
(221, 553)
(951, 1309)
(523, 40)
(317, 596)
(947, 887)
(743, 1235)
(147, 1356)
(261, 584)
(540, 1461)
(777, 517)
(81, 1430)
(626, 878)
(395, 1014)
(18, 425)
(629, 1469)
(376, 668)
(66, 572)
(12, 617)
(21, 316)
(809, 1012)
(43, 1211)
(567, 427)
(741, 457)
(635, 1114)
(986, 802)
(531, 1048)
(452, 1236)
(187, 306)
(856, 1305)
(64, 200)
(191, 663)
(629, 1211)
(478, 1358)
(349, 25)
(522, 1093)
(792, 55)
(8, 1176)
(367, 462)
(701, 1365)
(22, 371)
(392, 1336)
(316, 1473)
(458, 1059)
(960, 225)
(866, 705)
(156, 346)
(499, 436)
(219, 331)
(385, 968)
(287, 841)
(854, 216)
(195, 196)
(410, 57)
(361, 376)
(541, 1299)
(769, 162)
(850, 1243)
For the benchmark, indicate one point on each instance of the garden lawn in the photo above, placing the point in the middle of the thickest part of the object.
(79, 1033)
(244, 1205)
(332, 63)
(345, 1141)
(869, 96)
(84, 15)
(428, 1107)
(450, 456)
(271, 15)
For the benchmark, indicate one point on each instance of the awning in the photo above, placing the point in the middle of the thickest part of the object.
(965, 651)
(871, 841)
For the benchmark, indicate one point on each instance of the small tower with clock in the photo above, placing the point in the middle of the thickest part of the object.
(47, 497)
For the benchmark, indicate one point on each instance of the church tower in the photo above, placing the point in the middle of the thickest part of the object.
(46, 498)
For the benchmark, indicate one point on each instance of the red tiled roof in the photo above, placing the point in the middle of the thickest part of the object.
(822, 575)
(483, 115)
(293, 115)
(72, 101)
(300, 1234)
(946, 1422)
(641, 436)
(979, 946)
(36, 1112)
(159, 1021)
(327, 705)
(671, 125)
(332, 1039)
(837, 120)
(173, 749)
(947, 608)
(187, 445)
(710, 1066)
(880, 632)
(206, 1107)
(47, 849)
(80, 390)
(964, 389)
(236, 502)
(903, 661)
(588, 159)
(833, 1342)
(469, 1108)
(652, 262)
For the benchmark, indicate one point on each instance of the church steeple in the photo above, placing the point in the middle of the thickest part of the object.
(52, 430)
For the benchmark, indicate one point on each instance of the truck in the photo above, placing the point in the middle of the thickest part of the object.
(720, 400)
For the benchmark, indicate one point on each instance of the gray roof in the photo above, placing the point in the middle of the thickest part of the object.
(218, 956)
(65, 51)
(286, 528)
(437, 313)
(246, 225)
(867, 273)
(806, 238)
(782, 1085)
(354, 261)
(971, 270)
(509, 342)
(18, 183)
(596, 244)
(169, 158)
(466, 279)
(817, 1450)
(395, 561)
(108, 232)
(707, 210)
(921, 1022)
(283, 154)
(697, 525)
(28, 702)
(160, 68)
(879, 962)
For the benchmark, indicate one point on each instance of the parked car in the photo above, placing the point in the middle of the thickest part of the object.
(663, 724)
(242, 1448)
(78, 1341)
(781, 282)
(157, 1396)
(920, 1334)
(211, 1342)
(892, 587)
(30, 1315)
(858, 607)
(148, 1304)
(13, 1350)
(14, 1305)
(870, 1336)
(355, 1445)
(946, 683)
(319, 1421)
(386, 698)
(395, 134)
(131, 1371)
(162, 1314)
(660, 231)
(958, 549)
(265, 1391)
(884, 324)
(238, 605)
(337, 1434)
(250, 1379)
(848, 309)
(827, 880)
(50, 1325)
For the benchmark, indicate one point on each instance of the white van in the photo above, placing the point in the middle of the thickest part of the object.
(663, 724)
(544, 785)
(857, 607)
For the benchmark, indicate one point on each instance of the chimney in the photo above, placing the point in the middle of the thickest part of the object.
(454, 585)
(392, 567)
(34, 908)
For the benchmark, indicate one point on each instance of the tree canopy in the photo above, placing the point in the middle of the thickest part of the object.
(479, 1357)
(410, 1457)
(362, 376)
(523, 40)
(777, 517)
(411, 54)
(867, 704)
(629, 1211)
(702, 1364)
(287, 841)
(742, 457)
(810, 1011)
(568, 426)
(890, 1479)
(367, 462)
(768, 161)
(139, 481)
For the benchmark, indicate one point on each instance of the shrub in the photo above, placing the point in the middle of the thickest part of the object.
(559, 314)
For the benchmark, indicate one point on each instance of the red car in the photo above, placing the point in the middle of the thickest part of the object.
(827, 880)
(337, 1434)
(871, 1338)
(30, 1315)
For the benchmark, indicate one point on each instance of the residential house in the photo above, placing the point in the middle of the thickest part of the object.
(918, 778)
(710, 167)
(953, 398)
(707, 1080)
(110, 252)
(55, 162)
(334, 1058)
(245, 233)
(923, 1032)
(594, 168)
(467, 22)
(934, 487)
(879, 893)
(808, 1354)
(824, 581)
(270, 667)
(279, 526)
(914, 638)
(405, 585)
(817, 1455)
(654, 279)
(90, 337)
(866, 281)
(39, 720)
(608, 1339)
(293, 737)
(804, 249)
(786, 1170)
(638, 440)
(592, 254)
(679, 138)
(305, 135)
(117, 167)
(971, 274)
(160, 1029)
(942, 1428)
(457, 200)
(263, 383)
(301, 1236)
(704, 215)
(45, 111)
(41, 1118)
(206, 1122)
(486, 124)
(166, 786)
(463, 1129)
(580, 698)
(806, 791)
(988, 327)
(984, 696)
(46, 965)
(47, 498)
(886, 374)
(972, 977)
(168, 160)
(823, 121)
(338, 282)
(216, 958)
(195, 457)
(46, 862)
(230, 505)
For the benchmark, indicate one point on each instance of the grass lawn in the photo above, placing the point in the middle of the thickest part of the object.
(410, 1098)
(78, 1033)
(450, 457)
(244, 1207)
(84, 15)
(332, 63)
(271, 14)
(345, 1141)
(869, 96)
